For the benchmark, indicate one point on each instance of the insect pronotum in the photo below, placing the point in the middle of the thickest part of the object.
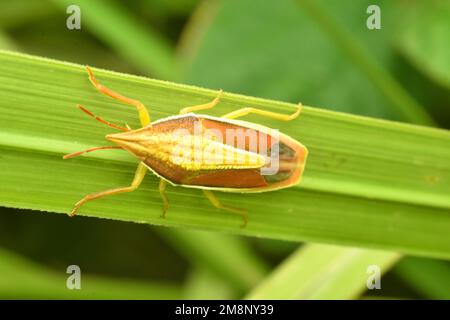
(205, 152)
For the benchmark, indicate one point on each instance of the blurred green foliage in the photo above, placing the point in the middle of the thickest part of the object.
(273, 49)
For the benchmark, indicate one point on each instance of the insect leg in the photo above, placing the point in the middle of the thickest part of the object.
(216, 203)
(269, 114)
(144, 117)
(208, 105)
(138, 177)
(162, 192)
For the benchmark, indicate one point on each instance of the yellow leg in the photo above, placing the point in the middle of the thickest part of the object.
(144, 117)
(208, 105)
(216, 203)
(162, 192)
(269, 114)
(138, 177)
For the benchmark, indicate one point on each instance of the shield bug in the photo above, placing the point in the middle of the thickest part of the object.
(205, 152)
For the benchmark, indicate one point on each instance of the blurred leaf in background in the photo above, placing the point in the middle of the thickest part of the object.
(423, 37)
(283, 53)
(423, 47)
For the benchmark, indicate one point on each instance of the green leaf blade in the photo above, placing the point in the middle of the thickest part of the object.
(321, 272)
(368, 183)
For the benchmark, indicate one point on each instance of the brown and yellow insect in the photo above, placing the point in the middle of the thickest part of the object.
(205, 152)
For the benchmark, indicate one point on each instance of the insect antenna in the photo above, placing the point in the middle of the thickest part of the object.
(76, 154)
(115, 126)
